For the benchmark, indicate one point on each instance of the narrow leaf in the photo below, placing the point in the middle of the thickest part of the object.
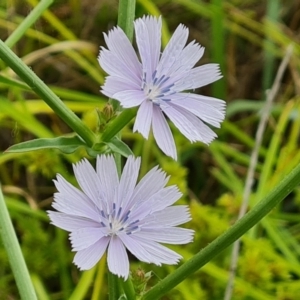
(64, 144)
(118, 146)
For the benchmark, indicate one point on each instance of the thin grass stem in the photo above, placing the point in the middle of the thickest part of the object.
(14, 253)
(28, 21)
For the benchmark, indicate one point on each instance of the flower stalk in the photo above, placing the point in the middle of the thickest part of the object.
(126, 17)
(125, 21)
(14, 253)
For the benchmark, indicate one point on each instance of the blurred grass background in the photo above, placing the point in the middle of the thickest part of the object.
(248, 39)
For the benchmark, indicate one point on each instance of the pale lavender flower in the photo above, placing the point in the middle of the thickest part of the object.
(156, 83)
(115, 214)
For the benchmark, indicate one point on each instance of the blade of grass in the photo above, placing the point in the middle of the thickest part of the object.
(218, 46)
(201, 8)
(27, 22)
(14, 253)
(15, 205)
(225, 180)
(290, 240)
(56, 23)
(272, 154)
(37, 106)
(46, 94)
(59, 47)
(40, 288)
(241, 105)
(26, 120)
(226, 167)
(280, 242)
(238, 156)
(273, 8)
(62, 92)
(83, 285)
(76, 8)
(292, 141)
(15, 22)
(241, 136)
(99, 280)
(91, 69)
(63, 253)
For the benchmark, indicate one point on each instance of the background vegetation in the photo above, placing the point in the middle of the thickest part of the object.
(248, 39)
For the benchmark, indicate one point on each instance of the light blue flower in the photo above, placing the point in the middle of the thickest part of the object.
(115, 214)
(157, 83)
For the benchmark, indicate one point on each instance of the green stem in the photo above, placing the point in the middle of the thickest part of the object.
(82, 288)
(259, 211)
(125, 21)
(14, 253)
(129, 289)
(98, 282)
(62, 258)
(113, 288)
(37, 85)
(119, 123)
(28, 21)
(126, 16)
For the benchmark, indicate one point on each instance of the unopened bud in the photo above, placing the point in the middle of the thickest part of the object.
(108, 112)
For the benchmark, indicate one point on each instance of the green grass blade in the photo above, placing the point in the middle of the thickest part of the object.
(14, 253)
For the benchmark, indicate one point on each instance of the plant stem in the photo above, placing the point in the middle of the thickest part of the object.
(38, 86)
(129, 289)
(14, 253)
(125, 21)
(119, 123)
(113, 288)
(259, 211)
(82, 288)
(126, 16)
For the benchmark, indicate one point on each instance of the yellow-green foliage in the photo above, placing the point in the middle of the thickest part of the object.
(261, 265)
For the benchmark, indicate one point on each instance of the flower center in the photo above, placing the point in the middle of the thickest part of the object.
(157, 89)
(153, 93)
(115, 226)
(116, 223)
